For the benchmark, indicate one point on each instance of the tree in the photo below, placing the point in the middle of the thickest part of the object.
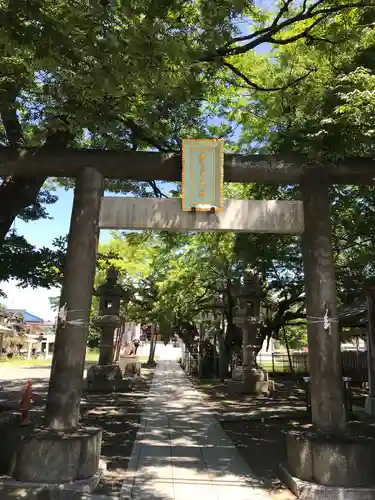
(75, 76)
(177, 278)
(308, 99)
(32, 267)
(295, 337)
(55, 54)
(54, 303)
(326, 116)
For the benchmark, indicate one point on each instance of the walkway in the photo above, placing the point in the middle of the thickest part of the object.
(181, 452)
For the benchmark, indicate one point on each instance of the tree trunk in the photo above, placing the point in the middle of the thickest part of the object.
(152, 346)
(200, 350)
(64, 394)
(119, 339)
(15, 195)
(224, 359)
(288, 351)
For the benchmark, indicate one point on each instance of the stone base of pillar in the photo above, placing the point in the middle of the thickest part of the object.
(321, 466)
(250, 387)
(130, 366)
(253, 381)
(55, 461)
(370, 405)
(104, 378)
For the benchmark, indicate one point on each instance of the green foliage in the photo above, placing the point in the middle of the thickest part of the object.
(32, 267)
(295, 337)
(54, 303)
(176, 279)
(327, 115)
(145, 74)
(82, 68)
(106, 75)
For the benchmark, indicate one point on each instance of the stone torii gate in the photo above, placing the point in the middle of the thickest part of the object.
(258, 216)
(91, 212)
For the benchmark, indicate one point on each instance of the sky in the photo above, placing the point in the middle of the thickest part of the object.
(41, 233)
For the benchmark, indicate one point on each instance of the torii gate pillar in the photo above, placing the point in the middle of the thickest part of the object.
(327, 397)
(65, 385)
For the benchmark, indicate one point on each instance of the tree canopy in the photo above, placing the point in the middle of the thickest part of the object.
(122, 75)
(324, 111)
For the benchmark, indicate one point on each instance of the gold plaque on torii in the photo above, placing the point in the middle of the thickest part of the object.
(203, 175)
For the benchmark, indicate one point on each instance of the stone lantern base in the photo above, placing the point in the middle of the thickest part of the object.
(250, 381)
(104, 378)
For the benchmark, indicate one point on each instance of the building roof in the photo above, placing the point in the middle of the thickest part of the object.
(31, 318)
(354, 314)
(27, 317)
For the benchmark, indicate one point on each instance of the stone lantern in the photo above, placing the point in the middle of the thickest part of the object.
(106, 376)
(248, 378)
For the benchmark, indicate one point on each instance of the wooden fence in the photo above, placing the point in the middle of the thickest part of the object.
(354, 364)
(189, 363)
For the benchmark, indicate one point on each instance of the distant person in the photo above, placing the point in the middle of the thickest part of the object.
(136, 343)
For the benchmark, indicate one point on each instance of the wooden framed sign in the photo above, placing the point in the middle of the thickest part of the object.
(203, 175)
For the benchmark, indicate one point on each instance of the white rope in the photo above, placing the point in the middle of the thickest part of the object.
(63, 313)
(326, 320)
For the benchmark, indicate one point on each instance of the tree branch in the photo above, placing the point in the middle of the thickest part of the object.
(12, 126)
(283, 10)
(157, 192)
(311, 38)
(303, 34)
(255, 86)
(142, 134)
(138, 132)
(267, 34)
(17, 193)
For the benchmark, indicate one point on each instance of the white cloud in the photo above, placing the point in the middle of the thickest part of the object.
(35, 301)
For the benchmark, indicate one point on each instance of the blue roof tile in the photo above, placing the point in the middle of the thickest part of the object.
(31, 318)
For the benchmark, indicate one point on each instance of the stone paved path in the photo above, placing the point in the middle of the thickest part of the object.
(181, 452)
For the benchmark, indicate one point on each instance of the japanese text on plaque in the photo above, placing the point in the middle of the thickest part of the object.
(202, 174)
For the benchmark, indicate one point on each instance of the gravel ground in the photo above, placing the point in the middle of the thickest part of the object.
(119, 416)
(257, 424)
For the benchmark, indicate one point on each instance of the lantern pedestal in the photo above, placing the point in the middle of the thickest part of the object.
(330, 466)
(130, 366)
(54, 464)
(249, 381)
(104, 378)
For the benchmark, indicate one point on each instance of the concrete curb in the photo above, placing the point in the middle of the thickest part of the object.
(306, 490)
(81, 489)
